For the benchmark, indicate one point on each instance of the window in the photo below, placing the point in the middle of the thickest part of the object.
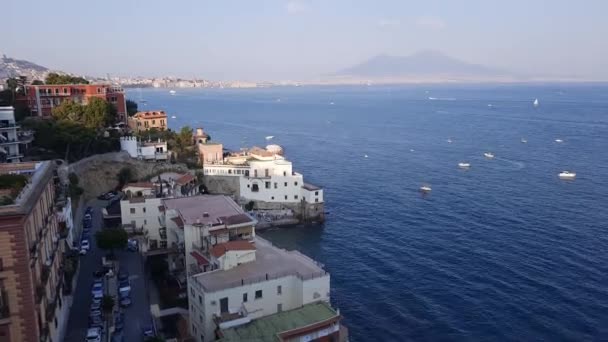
(200, 299)
(295, 197)
(279, 289)
(267, 185)
(276, 185)
(285, 183)
(316, 200)
(229, 171)
(244, 298)
(284, 173)
(65, 90)
(144, 209)
(192, 291)
(132, 210)
(272, 198)
(316, 193)
(162, 122)
(258, 294)
(295, 183)
(248, 185)
(200, 317)
(153, 122)
(56, 90)
(266, 172)
(1, 265)
(285, 196)
(279, 307)
(255, 188)
(145, 221)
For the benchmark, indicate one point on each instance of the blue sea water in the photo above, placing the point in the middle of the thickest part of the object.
(502, 251)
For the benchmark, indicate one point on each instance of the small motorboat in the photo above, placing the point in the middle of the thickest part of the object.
(269, 137)
(559, 141)
(172, 92)
(425, 189)
(173, 117)
(489, 155)
(365, 156)
(567, 175)
(524, 141)
(464, 165)
(449, 140)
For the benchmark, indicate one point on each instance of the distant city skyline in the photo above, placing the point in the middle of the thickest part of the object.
(273, 40)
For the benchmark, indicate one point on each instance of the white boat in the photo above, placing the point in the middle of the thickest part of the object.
(172, 92)
(449, 140)
(269, 137)
(490, 105)
(535, 103)
(567, 175)
(464, 165)
(524, 141)
(425, 188)
(365, 156)
(559, 141)
(174, 117)
(489, 155)
(331, 103)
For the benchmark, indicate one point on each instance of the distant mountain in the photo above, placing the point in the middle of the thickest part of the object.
(11, 67)
(422, 65)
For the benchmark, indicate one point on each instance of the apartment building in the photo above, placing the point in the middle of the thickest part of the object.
(41, 99)
(12, 139)
(33, 229)
(143, 121)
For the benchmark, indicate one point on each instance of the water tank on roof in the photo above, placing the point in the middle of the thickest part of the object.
(276, 149)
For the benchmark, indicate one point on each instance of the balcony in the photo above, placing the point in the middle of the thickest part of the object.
(4, 307)
(14, 156)
(232, 318)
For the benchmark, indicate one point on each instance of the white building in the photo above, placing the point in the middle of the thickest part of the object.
(234, 276)
(11, 137)
(268, 280)
(144, 150)
(266, 176)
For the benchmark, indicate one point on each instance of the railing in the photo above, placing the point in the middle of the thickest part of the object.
(255, 280)
(9, 125)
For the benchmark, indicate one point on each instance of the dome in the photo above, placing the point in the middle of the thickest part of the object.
(276, 149)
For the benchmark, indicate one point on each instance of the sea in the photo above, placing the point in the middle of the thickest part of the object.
(502, 251)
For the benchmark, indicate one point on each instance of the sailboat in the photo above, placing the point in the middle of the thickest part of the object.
(535, 103)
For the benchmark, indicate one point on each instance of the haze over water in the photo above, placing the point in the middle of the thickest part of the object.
(503, 251)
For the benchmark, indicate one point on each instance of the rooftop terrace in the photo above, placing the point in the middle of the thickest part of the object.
(270, 263)
(269, 328)
(22, 184)
(207, 209)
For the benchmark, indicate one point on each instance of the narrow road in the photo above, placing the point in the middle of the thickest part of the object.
(136, 316)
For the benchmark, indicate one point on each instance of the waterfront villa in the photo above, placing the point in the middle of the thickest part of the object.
(144, 150)
(143, 121)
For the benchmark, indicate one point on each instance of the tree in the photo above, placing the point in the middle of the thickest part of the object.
(99, 113)
(131, 107)
(107, 303)
(111, 238)
(184, 137)
(55, 78)
(37, 82)
(125, 175)
(68, 110)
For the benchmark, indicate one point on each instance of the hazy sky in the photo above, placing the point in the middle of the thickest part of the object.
(301, 39)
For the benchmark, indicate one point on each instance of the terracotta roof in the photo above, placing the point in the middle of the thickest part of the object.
(200, 259)
(185, 179)
(178, 221)
(139, 185)
(239, 245)
(150, 115)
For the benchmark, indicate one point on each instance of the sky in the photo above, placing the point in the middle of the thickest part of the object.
(302, 39)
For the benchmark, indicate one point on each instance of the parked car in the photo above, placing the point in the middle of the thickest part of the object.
(93, 335)
(119, 322)
(124, 287)
(96, 322)
(88, 216)
(125, 301)
(147, 331)
(132, 245)
(123, 275)
(97, 290)
(83, 251)
(89, 210)
(84, 244)
(96, 305)
(95, 313)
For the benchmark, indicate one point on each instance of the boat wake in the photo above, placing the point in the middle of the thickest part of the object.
(442, 98)
(517, 164)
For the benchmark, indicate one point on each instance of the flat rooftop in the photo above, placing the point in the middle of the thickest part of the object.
(207, 209)
(268, 328)
(38, 174)
(270, 263)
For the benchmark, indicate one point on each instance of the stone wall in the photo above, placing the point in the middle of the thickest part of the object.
(225, 185)
(98, 173)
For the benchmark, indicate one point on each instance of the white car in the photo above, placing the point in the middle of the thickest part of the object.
(83, 251)
(93, 335)
(97, 290)
(84, 244)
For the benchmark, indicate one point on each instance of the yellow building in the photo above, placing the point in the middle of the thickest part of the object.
(143, 121)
